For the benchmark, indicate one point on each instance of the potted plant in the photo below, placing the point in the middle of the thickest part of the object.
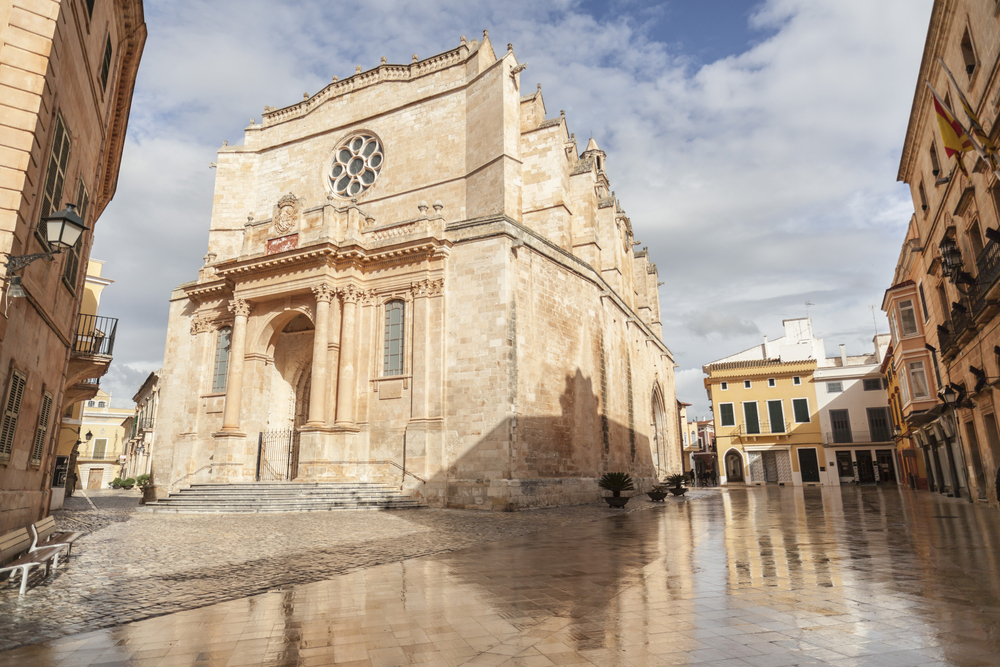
(658, 493)
(145, 482)
(116, 483)
(676, 483)
(616, 482)
(128, 483)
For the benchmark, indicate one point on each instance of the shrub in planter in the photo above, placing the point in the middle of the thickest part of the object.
(657, 493)
(616, 482)
(142, 481)
(117, 483)
(676, 483)
(128, 483)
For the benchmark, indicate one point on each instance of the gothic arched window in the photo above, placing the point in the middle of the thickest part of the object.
(222, 340)
(393, 361)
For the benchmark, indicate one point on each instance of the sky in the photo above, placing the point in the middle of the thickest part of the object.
(753, 144)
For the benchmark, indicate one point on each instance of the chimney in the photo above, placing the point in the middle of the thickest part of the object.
(763, 348)
(843, 354)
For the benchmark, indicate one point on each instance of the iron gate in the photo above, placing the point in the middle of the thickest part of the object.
(277, 455)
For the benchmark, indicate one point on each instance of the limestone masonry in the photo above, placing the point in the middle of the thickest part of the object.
(414, 277)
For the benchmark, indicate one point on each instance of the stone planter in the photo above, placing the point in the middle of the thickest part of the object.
(678, 491)
(616, 502)
(656, 496)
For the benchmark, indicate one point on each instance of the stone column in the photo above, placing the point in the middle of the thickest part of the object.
(237, 352)
(418, 395)
(333, 360)
(346, 380)
(317, 394)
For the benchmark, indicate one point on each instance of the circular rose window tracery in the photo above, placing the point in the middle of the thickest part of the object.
(356, 164)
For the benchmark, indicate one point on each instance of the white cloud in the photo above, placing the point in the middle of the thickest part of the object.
(758, 181)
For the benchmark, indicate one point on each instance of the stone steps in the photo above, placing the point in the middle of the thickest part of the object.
(266, 497)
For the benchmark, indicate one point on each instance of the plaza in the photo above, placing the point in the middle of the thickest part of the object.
(767, 576)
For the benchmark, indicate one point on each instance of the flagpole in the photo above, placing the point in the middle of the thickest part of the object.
(975, 145)
(973, 119)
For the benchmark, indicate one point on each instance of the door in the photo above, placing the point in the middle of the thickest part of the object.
(878, 425)
(809, 465)
(840, 420)
(94, 478)
(845, 468)
(770, 467)
(750, 417)
(977, 459)
(866, 468)
(734, 467)
(886, 466)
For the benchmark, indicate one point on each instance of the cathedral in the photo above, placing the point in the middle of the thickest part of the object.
(415, 277)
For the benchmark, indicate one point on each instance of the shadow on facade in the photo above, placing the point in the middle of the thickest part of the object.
(531, 461)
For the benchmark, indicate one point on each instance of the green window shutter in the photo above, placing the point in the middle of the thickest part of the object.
(751, 418)
(58, 161)
(43, 428)
(801, 408)
(776, 413)
(727, 414)
(11, 409)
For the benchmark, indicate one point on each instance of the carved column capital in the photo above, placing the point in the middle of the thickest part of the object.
(323, 292)
(200, 325)
(427, 287)
(350, 294)
(240, 307)
(368, 297)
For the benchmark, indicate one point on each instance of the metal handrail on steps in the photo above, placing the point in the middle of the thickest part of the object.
(378, 462)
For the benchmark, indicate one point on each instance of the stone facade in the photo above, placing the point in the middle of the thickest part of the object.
(502, 344)
(67, 71)
(945, 317)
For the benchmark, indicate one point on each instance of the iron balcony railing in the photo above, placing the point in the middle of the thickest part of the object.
(93, 381)
(95, 335)
(764, 428)
(144, 424)
(99, 456)
(847, 437)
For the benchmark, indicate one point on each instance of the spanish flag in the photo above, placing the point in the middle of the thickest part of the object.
(953, 136)
(974, 125)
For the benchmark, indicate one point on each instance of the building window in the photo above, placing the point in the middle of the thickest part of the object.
(222, 344)
(102, 404)
(834, 387)
(746, 384)
(356, 164)
(100, 448)
(55, 176)
(393, 361)
(750, 417)
(724, 386)
(904, 388)
(923, 197)
(935, 165)
(38, 448)
(71, 265)
(800, 410)
(918, 379)
(872, 384)
(923, 302)
(11, 410)
(776, 415)
(907, 317)
(106, 64)
(727, 415)
(969, 55)
(771, 382)
(91, 404)
(90, 9)
(796, 380)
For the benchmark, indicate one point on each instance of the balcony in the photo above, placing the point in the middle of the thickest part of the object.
(764, 428)
(845, 437)
(90, 356)
(95, 336)
(100, 456)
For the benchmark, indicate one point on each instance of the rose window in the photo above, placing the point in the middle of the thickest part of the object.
(356, 165)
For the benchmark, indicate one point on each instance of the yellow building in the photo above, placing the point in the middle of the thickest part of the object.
(101, 452)
(70, 427)
(764, 403)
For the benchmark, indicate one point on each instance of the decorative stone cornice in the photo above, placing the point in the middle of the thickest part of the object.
(240, 307)
(324, 292)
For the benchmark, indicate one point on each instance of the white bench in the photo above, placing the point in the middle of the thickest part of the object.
(14, 547)
(44, 534)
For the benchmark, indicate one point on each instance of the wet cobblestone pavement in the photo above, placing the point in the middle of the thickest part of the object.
(136, 565)
(761, 577)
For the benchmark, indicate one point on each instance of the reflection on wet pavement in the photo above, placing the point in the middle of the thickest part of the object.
(765, 577)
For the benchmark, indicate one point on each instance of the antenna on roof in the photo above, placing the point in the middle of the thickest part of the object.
(874, 321)
(808, 303)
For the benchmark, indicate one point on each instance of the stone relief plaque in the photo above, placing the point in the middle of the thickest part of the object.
(282, 244)
(390, 389)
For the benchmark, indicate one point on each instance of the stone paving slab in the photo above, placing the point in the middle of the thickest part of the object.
(770, 577)
(135, 565)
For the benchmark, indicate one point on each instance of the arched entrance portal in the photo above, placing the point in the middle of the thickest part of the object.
(734, 467)
(289, 382)
(659, 444)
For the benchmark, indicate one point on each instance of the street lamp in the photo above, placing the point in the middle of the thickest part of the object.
(62, 230)
(89, 435)
(949, 396)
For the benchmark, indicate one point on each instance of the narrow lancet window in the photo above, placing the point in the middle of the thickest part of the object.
(221, 359)
(393, 364)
